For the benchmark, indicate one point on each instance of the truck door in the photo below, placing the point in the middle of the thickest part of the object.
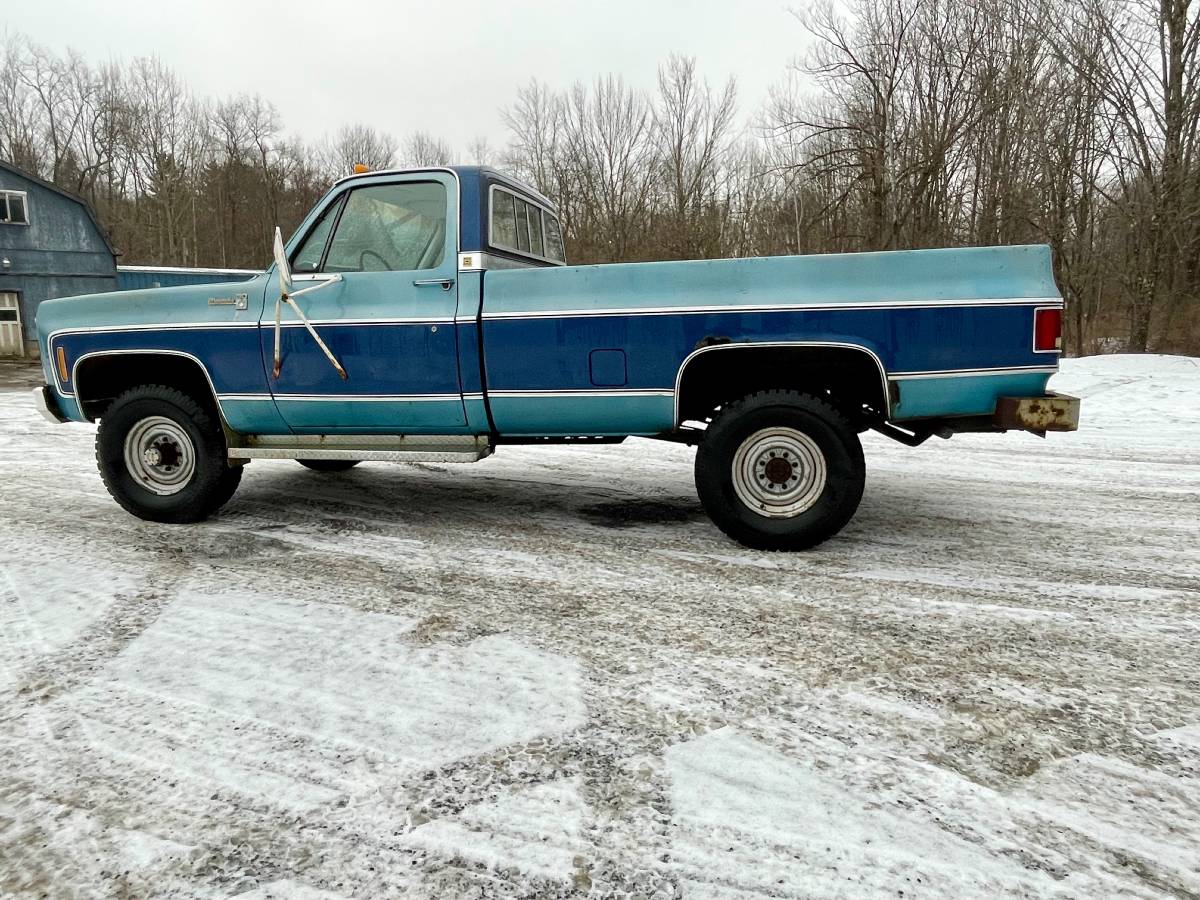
(389, 321)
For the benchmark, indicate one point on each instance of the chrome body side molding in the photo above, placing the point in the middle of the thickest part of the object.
(797, 345)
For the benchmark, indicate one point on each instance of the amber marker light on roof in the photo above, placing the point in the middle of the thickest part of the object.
(360, 168)
(62, 365)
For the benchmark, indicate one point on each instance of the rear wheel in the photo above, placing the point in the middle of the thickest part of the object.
(328, 465)
(163, 456)
(779, 470)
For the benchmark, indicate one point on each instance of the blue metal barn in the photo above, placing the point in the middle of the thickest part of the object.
(50, 246)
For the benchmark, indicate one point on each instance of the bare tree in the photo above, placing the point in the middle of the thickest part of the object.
(1145, 73)
(168, 125)
(480, 152)
(913, 123)
(359, 144)
(693, 129)
(422, 149)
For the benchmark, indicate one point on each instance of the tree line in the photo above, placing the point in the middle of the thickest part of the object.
(904, 124)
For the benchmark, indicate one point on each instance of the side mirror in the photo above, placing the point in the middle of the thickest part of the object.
(286, 296)
(281, 263)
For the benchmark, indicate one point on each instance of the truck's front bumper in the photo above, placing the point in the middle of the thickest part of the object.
(1052, 412)
(47, 404)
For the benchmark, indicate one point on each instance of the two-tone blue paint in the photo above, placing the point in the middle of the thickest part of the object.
(965, 393)
(512, 350)
(967, 314)
(524, 354)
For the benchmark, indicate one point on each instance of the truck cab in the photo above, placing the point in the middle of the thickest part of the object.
(408, 250)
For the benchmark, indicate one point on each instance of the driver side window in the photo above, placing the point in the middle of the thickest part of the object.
(390, 228)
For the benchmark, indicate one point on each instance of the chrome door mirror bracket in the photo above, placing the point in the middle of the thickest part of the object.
(288, 296)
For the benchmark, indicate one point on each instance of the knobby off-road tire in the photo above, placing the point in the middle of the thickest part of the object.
(163, 457)
(328, 465)
(780, 470)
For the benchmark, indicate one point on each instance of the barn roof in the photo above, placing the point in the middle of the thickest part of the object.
(29, 176)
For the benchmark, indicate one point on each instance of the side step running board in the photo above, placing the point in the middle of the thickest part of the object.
(452, 448)
(360, 454)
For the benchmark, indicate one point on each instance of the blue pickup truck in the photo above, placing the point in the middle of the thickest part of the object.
(429, 315)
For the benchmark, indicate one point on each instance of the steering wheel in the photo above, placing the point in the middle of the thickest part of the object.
(362, 260)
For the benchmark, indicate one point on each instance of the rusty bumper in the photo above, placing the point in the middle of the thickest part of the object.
(1053, 412)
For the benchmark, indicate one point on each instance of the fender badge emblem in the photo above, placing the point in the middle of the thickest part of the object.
(237, 301)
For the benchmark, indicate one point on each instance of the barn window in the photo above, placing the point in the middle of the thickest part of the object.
(13, 209)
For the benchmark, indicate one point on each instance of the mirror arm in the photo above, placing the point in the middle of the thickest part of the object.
(332, 279)
(278, 310)
(287, 298)
(286, 295)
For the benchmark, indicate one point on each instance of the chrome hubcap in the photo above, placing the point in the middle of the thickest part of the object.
(779, 472)
(159, 455)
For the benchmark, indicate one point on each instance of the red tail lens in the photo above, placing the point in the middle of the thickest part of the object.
(1047, 329)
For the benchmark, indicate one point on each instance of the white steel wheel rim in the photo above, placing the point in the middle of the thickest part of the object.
(779, 472)
(159, 455)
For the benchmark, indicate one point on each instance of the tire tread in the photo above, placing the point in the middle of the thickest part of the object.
(225, 479)
(708, 471)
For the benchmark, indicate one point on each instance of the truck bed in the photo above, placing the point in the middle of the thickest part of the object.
(951, 330)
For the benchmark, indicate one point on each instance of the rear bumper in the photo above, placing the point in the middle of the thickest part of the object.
(1051, 412)
(47, 404)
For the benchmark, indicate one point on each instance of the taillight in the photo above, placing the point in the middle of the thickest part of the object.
(1047, 330)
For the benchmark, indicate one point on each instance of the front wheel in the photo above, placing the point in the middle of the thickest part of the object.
(779, 470)
(163, 456)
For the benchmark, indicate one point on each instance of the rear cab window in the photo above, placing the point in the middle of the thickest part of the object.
(523, 227)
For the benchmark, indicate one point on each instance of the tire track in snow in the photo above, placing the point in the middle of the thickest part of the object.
(73, 665)
(1038, 603)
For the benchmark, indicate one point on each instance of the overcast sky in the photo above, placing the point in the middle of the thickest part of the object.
(444, 68)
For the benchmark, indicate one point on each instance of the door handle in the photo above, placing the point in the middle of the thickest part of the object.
(446, 283)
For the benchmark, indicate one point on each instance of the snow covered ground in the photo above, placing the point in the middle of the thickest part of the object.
(548, 673)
